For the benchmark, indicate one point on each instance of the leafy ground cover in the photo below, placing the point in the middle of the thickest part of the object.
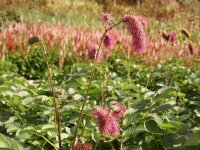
(159, 90)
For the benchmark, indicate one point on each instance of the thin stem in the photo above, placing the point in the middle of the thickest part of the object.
(47, 141)
(85, 125)
(57, 118)
(101, 86)
(174, 72)
(90, 82)
(148, 81)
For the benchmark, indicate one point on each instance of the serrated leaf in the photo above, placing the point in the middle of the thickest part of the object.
(133, 131)
(132, 118)
(152, 127)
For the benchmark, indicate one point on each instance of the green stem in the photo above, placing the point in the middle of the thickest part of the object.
(148, 81)
(98, 142)
(90, 82)
(101, 86)
(57, 118)
(174, 72)
(47, 140)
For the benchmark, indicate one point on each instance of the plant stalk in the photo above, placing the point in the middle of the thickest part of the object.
(57, 118)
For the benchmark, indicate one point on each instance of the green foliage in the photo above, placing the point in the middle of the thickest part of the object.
(163, 114)
(33, 65)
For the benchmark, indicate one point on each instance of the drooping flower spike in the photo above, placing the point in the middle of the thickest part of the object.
(137, 31)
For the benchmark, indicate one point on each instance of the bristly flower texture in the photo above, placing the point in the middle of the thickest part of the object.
(136, 28)
(92, 52)
(106, 19)
(108, 41)
(119, 110)
(80, 146)
(143, 20)
(107, 123)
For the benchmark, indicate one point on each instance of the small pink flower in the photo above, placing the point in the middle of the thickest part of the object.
(137, 31)
(92, 52)
(118, 110)
(107, 123)
(108, 41)
(171, 37)
(81, 146)
(106, 19)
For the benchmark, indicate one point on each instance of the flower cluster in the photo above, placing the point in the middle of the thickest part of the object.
(107, 119)
(92, 52)
(81, 146)
(109, 41)
(171, 36)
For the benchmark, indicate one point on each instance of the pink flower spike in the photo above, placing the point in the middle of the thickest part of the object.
(107, 123)
(109, 41)
(106, 19)
(92, 52)
(137, 31)
(118, 110)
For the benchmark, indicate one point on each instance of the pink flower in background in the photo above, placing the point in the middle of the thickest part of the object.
(109, 41)
(106, 19)
(92, 51)
(137, 31)
(171, 37)
(118, 110)
(107, 123)
(81, 146)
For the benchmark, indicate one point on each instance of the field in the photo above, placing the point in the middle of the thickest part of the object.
(99, 75)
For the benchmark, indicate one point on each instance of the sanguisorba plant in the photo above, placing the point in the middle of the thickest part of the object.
(107, 117)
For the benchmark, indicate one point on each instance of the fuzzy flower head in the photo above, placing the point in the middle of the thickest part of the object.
(107, 123)
(106, 19)
(92, 52)
(118, 110)
(109, 41)
(137, 31)
(80, 146)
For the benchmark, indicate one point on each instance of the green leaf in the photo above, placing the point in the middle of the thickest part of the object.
(9, 143)
(133, 131)
(152, 127)
(132, 118)
(193, 139)
(133, 147)
(172, 141)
